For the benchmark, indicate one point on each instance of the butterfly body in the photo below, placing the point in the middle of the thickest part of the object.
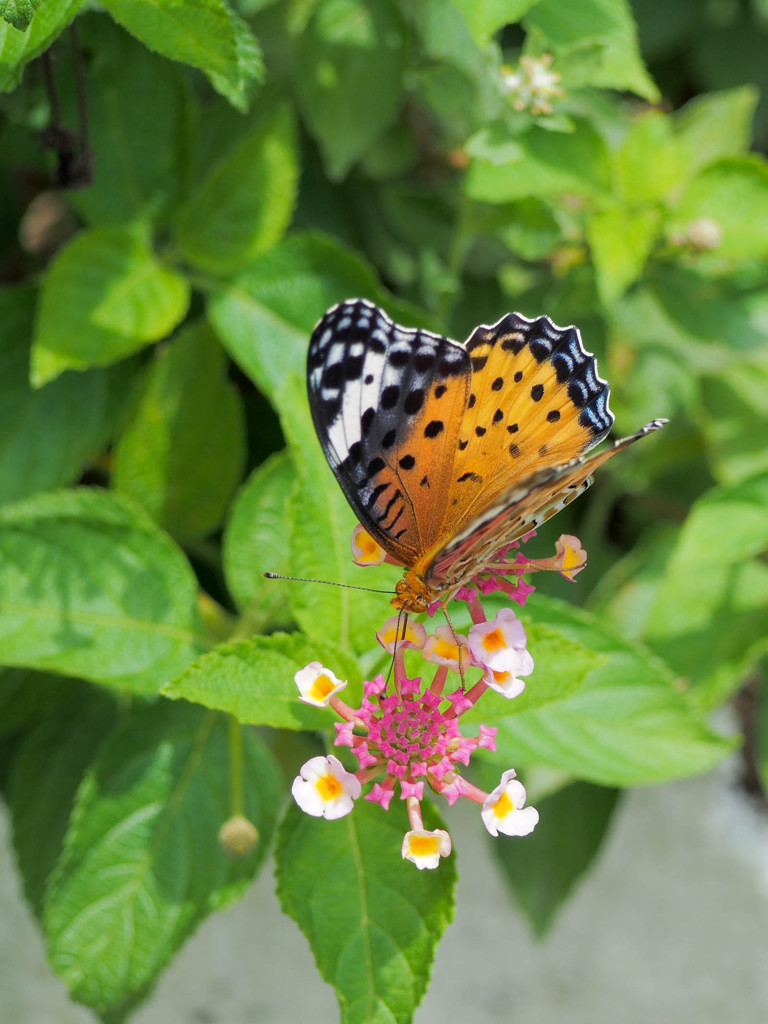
(448, 452)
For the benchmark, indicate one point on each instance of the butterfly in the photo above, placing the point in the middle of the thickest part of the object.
(448, 452)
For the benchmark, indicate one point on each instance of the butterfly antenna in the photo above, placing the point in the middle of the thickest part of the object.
(394, 650)
(328, 583)
(456, 641)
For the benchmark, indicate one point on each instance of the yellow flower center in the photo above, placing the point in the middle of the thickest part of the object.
(424, 846)
(494, 641)
(328, 786)
(569, 558)
(503, 806)
(446, 649)
(321, 687)
(370, 550)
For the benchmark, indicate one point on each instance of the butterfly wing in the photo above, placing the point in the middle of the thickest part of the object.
(524, 506)
(536, 401)
(387, 404)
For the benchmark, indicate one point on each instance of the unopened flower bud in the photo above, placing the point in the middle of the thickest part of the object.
(238, 836)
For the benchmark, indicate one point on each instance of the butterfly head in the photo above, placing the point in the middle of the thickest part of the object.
(412, 594)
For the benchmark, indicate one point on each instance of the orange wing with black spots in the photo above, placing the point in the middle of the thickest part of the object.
(536, 401)
(447, 452)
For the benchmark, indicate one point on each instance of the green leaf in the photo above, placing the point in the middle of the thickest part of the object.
(528, 227)
(253, 680)
(650, 161)
(47, 768)
(445, 38)
(204, 33)
(236, 83)
(544, 868)
(693, 316)
(142, 865)
(19, 13)
(265, 317)
(734, 194)
(734, 412)
(17, 47)
(106, 295)
(245, 204)
(540, 163)
(322, 524)
(709, 617)
(621, 239)
(624, 597)
(716, 125)
(141, 162)
(371, 919)
(485, 17)
(90, 587)
(258, 533)
(627, 725)
(350, 62)
(26, 696)
(607, 22)
(183, 451)
(48, 435)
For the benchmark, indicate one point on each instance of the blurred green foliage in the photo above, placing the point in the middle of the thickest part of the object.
(186, 186)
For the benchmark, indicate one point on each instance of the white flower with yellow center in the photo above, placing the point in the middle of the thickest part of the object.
(424, 849)
(503, 810)
(325, 789)
(505, 683)
(499, 644)
(317, 684)
(444, 647)
(396, 633)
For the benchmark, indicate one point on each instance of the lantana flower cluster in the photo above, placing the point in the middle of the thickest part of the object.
(406, 734)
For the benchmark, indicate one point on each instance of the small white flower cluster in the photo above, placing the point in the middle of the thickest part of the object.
(533, 85)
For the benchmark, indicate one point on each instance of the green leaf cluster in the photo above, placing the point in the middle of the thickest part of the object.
(213, 176)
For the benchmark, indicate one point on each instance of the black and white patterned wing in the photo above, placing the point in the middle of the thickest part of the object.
(387, 404)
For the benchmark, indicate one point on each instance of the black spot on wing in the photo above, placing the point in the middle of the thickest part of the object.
(414, 401)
